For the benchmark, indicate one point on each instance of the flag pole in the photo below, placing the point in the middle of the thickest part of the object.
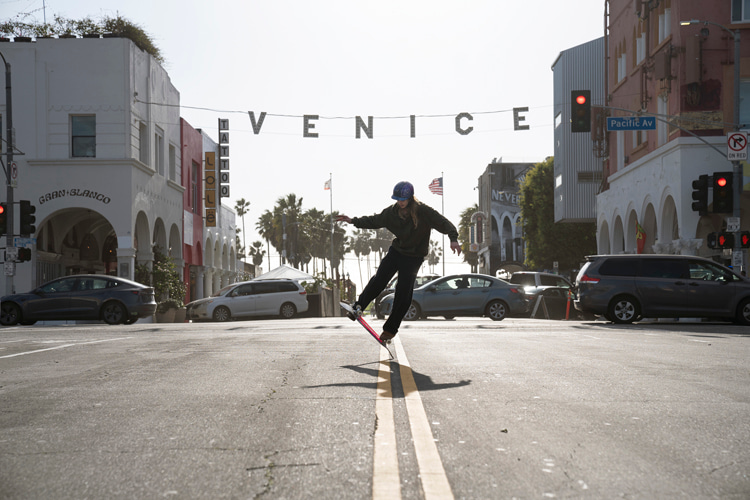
(442, 199)
(330, 188)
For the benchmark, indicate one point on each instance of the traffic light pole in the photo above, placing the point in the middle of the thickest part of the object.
(736, 166)
(9, 188)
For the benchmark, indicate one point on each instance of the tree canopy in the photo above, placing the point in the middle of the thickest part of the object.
(547, 241)
(117, 25)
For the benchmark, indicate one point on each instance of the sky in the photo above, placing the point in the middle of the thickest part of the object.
(339, 59)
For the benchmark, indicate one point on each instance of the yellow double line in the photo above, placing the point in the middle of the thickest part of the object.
(386, 483)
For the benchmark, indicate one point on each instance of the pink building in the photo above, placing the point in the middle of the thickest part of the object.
(192, 201)
(683, 76)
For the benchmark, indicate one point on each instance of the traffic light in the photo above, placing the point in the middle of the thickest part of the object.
(723, 192)
(745, 239)
(580, 111)
(27, 219)
(725, 240)
(700, 195)
(24, 254)
(3, 219)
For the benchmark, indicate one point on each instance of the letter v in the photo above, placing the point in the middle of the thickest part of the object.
(256, 125)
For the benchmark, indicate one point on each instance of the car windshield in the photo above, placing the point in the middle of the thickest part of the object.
(224, 290)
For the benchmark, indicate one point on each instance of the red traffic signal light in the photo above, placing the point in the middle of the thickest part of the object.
(745, 239)
(3, 219)
(725, 240)
(723, 193)
(580, 111)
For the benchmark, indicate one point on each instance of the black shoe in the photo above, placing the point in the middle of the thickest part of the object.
(355, 313)
(387, 336)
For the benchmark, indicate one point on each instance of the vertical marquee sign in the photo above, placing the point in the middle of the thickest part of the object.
(223, 158)
(210, 189)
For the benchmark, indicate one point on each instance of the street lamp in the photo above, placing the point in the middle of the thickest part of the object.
(737, 168)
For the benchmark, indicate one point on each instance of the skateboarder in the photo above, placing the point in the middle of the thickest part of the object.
(410, 221)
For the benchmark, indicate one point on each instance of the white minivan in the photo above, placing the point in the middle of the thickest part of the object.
(278, 297)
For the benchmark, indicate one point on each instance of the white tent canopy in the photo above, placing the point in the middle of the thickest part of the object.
(286, 272)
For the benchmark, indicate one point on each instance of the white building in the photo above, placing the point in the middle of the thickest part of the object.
(97, 138)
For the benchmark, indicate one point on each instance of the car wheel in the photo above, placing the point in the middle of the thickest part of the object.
(496, 310)
(222, 314)
(288, 310)
(623, 310)
(114, 313)
(10, 314)
(413, 313)
(743, 313)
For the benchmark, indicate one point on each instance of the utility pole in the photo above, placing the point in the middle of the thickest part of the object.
(9, 188)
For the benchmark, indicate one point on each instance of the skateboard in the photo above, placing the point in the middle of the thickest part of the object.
(346, 307)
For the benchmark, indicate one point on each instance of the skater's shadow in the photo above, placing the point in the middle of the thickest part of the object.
(422, 381)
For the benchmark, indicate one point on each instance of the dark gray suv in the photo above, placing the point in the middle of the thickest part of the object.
(626, 288)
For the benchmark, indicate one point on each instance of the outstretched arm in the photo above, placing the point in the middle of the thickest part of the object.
(344, 218)
(456, 247)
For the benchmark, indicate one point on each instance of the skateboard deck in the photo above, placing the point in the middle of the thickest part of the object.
(346, 307)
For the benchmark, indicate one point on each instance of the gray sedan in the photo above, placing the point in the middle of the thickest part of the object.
(463, 295)
(81, 297)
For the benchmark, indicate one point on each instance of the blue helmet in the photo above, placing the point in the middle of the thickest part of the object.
(403, 191)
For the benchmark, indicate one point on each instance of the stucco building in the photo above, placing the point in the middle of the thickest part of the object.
(102, 153)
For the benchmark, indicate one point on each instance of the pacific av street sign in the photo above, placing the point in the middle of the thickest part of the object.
(631, 123)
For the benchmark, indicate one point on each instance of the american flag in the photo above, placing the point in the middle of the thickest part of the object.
(436, 186)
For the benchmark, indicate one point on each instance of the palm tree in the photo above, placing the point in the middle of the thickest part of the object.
(257, 253)
(266, 230)
(360, 245)
(241, 207)
(287, 214)
(433, 258)
(464, 230)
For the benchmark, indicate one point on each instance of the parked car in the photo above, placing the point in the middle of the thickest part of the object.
(81, 297)
(534, 282)
(626, 288)
(421, 280)
(463, 295)
(276, 297)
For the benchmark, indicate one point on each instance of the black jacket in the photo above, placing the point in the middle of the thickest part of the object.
(409, 240)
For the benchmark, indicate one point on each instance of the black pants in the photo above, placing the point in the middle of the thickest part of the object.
(407, 268)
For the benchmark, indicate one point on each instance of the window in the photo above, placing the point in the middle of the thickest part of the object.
(159, 151)
(709, 272)
(744, 104)
(639, 137)
(665, 24)
(194, 187)
(640, 48)
(143, 143)
(172, 163)
(619, 267)
(663, 268)
(740, 11)
(83, 136)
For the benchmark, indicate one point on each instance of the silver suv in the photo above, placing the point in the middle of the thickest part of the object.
(626, 288)
(282, 297)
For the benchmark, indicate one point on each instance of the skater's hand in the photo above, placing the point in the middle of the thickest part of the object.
(456, 247)
(343, 218)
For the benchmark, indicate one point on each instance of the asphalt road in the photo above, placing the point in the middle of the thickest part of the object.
(312, 408)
